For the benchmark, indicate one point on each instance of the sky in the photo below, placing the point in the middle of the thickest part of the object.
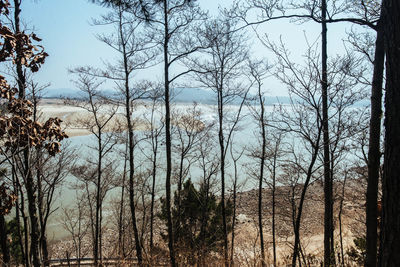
(69, 38)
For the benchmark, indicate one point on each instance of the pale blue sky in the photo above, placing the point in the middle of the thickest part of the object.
(69, 38)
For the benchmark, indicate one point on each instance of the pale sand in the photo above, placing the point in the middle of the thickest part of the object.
(76, 121)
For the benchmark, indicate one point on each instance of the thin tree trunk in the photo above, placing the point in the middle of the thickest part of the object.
(121, 249)
(17, 215)
(153, 186)
(144, 225)
(168, 143)
(29, 186)
(234, 216)
(130, 147)
(180, 182)
(374, 153)
(98, 202)
(28, 261)
(297, 222)
(328, 216)
(132, 189)
(391, 182)
(20, 73)
(154, 145)
(3, 241)
(262, 163)
(25, 235)
(340, 221)
(101, 234)
(222, 158)
(273, 205)
(235, 180)
(42, 223)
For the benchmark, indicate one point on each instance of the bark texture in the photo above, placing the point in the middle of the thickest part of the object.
(374, 153)
(390, 246)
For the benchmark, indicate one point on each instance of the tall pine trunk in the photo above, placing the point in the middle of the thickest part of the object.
(168, 143)
(374, 153)
(390, 245)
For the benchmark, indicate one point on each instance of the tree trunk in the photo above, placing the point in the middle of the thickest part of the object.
(20, 73)
(17, 215)
(391, 180)
(97, 225)
(42, 219)
(121, 249)
(3, 241)
(154, 145)
(374, 153)
(234, 200)
(132, 202)
(341, 258)
(23, 236)
(328, 216)
(222, 159)
(204, 216)
(153, 187)
(168, 143)
(180, 182)
(297, 222)
(273, 204)
(260, 184)
(130, 147)
(234, 217)
(30, 191)
(29, 183)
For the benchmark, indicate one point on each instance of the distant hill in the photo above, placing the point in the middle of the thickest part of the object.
(179, 95)
(68, 93)
(203, 96)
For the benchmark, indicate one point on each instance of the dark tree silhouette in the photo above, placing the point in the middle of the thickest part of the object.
(390, 242)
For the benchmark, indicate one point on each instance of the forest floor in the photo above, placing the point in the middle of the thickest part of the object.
(246, 248)
(311, 230)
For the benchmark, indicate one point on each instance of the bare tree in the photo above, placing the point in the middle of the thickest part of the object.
(236, 187)
(98, 121)
(172, 21)
(75, 221)
(302, 121)
(221, 70)
(154, 139)
(365, 14)
(344, 73)
(274, 153)
(258, 72)
(49, 179)
(136, 51)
